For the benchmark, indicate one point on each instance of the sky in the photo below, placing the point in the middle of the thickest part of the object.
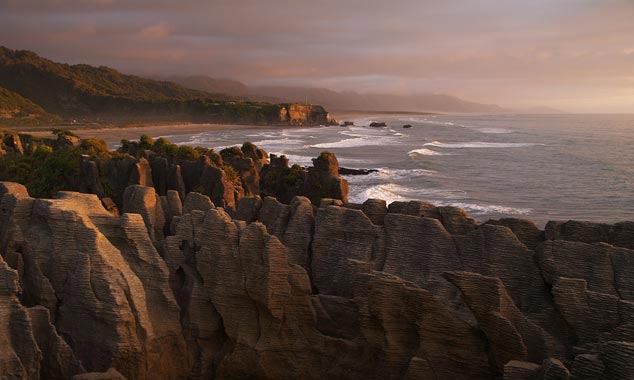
(574, 55)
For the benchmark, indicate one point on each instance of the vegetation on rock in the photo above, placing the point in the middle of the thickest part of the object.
(35, 86)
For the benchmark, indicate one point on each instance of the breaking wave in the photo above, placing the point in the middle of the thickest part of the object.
(479, 144)
(425, 152)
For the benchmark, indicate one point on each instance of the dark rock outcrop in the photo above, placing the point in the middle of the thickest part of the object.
(10, 142)
(323, 180)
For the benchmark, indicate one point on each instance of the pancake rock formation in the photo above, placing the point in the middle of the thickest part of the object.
(178, 288)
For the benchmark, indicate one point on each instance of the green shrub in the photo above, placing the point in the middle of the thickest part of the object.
(325, 155)
(231, 173)
(44, 172)
(294, 175)
(63, 132)
(185, 152)
(231, 151)
(199, 189)
(145, 142)
(95, 147)
(248, 146)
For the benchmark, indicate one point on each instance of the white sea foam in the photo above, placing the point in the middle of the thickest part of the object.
(488, 209)
(406, 173)
(288, 132)
(392, 192)
(389, 192)
(275, 142)
(296, 159)
(352, 134)
(356, 142)
(308, 160)
(495, 131)
(388, 176)
(479, 144)
(425, 152)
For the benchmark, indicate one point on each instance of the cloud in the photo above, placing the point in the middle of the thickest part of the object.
(155, 31)
(511, 52)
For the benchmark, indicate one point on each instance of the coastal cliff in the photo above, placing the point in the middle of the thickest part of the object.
(293, 291)
(237, 266)
(37, 91)
(305, 114)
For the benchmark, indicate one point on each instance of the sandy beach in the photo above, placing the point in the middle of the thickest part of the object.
(112, 134)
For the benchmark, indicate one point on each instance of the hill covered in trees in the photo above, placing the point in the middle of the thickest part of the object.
(15, 109)
(102, 94)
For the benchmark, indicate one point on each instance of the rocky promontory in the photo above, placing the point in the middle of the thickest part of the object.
(248, 282)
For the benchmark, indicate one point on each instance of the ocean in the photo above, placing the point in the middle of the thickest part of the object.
(540, 167)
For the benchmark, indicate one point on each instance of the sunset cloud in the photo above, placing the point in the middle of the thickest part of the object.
(514, 53)
(156, 31)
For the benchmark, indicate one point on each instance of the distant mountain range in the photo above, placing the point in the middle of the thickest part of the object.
(338, 101)
(34, 89)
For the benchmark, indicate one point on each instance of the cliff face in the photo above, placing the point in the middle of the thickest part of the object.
(305, 114)
(177, 290)
(32, 86)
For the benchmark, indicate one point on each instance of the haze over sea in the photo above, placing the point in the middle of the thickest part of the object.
(541, 167)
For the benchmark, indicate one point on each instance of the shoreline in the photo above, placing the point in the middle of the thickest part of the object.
(116, 133)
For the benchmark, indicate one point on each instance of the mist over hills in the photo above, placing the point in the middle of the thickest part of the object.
(36, 88)
(338, 100)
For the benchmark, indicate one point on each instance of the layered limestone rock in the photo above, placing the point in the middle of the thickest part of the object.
(258, 155)
(268, 290)
(305, 114)
(245, 166)
(323, 180)
(204, 177)
(166, 176)
(103, 283)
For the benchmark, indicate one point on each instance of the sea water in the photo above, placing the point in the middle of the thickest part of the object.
(541, 167)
